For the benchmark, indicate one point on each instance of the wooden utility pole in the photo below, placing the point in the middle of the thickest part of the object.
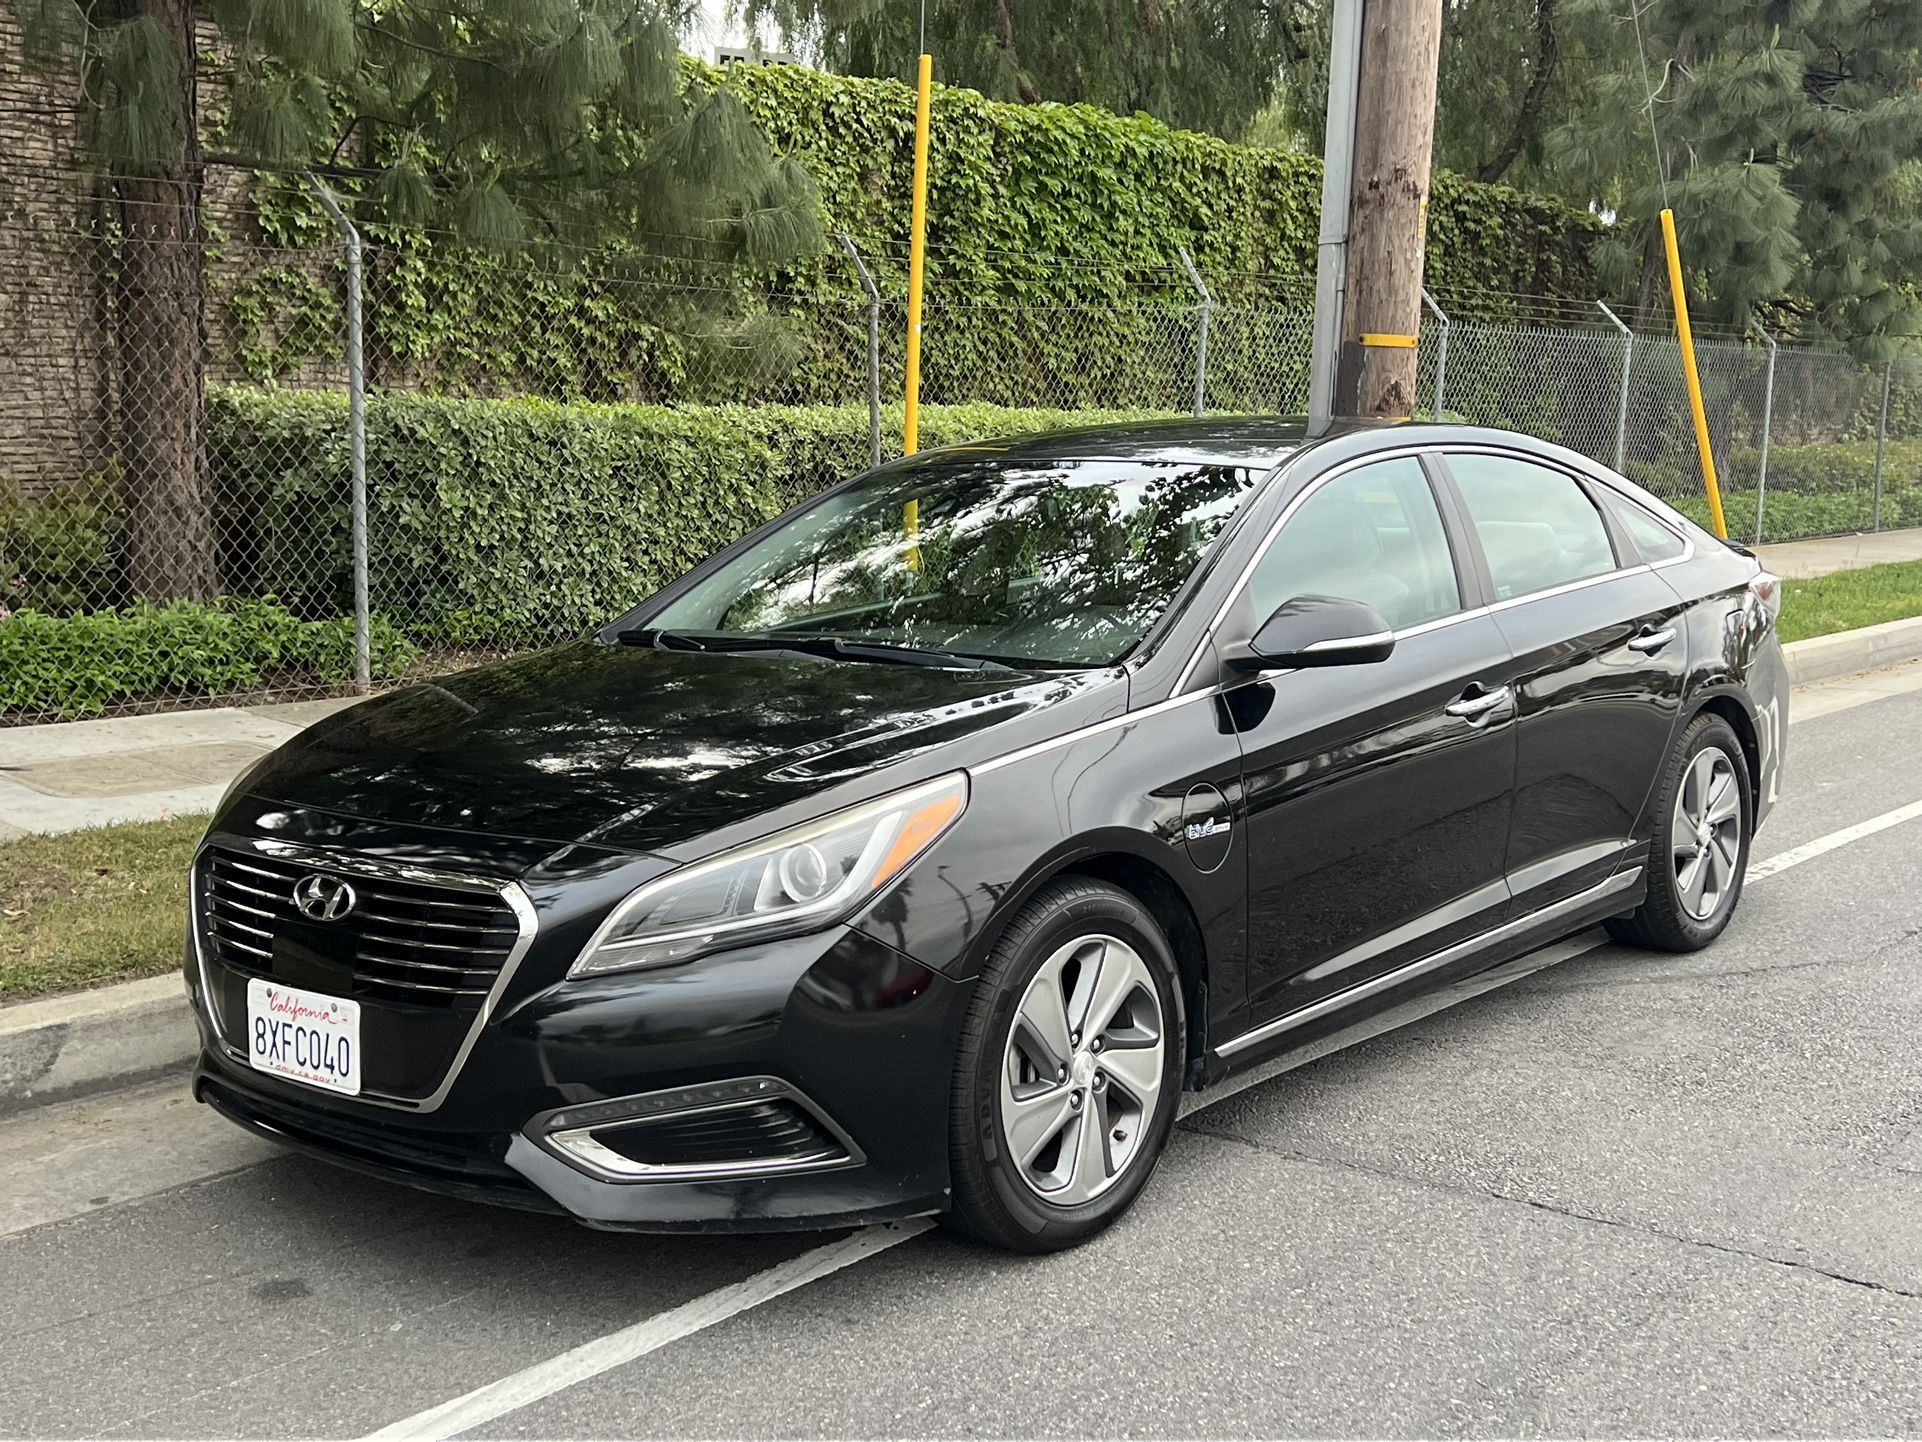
(1388, 212)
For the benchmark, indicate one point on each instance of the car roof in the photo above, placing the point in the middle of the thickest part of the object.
(1252, 441)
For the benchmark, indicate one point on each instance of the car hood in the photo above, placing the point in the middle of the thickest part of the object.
(638, 749)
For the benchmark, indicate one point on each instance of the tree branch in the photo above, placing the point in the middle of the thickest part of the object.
(1546, 54)
(1004, 41)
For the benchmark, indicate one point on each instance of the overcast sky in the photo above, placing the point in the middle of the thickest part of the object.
(712, 29)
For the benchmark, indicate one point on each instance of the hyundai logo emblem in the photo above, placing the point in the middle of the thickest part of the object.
(323, 898)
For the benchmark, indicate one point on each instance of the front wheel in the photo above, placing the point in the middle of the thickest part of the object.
(1069, 1070)
(1699, 852)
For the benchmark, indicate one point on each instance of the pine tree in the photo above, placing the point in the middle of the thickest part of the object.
(1196, 64)
(509, 122)
(1783, 131)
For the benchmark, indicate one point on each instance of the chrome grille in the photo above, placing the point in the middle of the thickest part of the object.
(424, 942)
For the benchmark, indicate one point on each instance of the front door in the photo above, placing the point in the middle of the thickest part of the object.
(1376, 796)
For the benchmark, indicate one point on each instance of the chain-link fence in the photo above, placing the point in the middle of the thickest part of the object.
(183, 516)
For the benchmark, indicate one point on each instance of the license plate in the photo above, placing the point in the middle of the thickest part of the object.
(304, 1035)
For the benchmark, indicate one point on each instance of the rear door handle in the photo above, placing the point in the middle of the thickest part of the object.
(1649, 642)
(1478, 707)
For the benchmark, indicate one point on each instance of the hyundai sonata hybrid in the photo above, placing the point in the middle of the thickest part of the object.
(915, 853)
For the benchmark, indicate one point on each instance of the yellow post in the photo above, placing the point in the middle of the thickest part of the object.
(917, 256)
(1687, 340)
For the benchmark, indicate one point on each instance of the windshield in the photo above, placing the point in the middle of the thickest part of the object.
(1064, 563)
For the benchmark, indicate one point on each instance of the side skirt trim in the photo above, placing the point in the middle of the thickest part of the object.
(1567, 906)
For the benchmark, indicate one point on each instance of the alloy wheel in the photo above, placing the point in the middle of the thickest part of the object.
(1082, 1074)
(1705, 835)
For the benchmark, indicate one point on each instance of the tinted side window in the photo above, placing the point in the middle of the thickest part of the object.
(1537, 526)
(1655, 541)
(1371, 535)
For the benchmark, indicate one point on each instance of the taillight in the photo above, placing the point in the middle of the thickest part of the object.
(1765, 593)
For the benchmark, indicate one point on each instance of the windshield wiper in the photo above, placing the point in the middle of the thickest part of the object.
(832, 648)
(909, 655)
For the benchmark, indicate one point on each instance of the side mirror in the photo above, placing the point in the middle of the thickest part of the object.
(1317, 631)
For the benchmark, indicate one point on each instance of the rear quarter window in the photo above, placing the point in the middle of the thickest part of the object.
(1655, 541)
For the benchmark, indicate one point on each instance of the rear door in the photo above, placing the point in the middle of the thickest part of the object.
(1377, 795)
(1600, 655)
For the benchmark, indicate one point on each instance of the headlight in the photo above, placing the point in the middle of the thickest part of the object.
(789, 883)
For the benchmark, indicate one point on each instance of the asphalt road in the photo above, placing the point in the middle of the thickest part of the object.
(1625, 1194)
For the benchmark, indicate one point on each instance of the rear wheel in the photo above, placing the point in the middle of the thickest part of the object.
(1700, 848)
(1069, 1070)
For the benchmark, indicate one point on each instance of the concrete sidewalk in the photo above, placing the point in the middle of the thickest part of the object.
(1799, 560)
(72, 774)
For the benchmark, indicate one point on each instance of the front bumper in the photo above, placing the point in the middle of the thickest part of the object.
(861, 1032)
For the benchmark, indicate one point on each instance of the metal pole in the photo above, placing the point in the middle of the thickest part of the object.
(356, 438)
(1768, 422)
(874, 349)
(917, 259)
(1207, 303)
(1685, 337)
(1337, 191)
(1441, 352)
(1881, 441)
(1621, 399)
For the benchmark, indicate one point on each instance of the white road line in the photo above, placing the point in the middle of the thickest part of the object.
(1822, 845)
(590, 1359)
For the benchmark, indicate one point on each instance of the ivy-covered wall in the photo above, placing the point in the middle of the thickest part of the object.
(1054, 270)
(1014, 190)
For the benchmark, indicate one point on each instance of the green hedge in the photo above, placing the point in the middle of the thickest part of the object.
(1075, 215)
(1015, 189)
(509, 522)
(79, 665)
(57, 551)
(1833, 467)
(492, 523)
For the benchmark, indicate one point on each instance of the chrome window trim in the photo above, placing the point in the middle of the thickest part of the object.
(1567, 906)
(1439, 622)
(1509, 603)
(1247, 571)
(510, 893)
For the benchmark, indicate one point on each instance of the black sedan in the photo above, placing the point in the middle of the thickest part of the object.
(913, 854)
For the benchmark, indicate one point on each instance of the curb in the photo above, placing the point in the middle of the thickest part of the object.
(67, 1046)
(1823, 658)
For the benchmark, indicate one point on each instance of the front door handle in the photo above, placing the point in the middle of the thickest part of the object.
(1478, 707)
(1649, 642)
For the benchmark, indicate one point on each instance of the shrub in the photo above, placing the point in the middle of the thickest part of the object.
(79, 665)
(1831, 467)
(57, 550)
(508, 522)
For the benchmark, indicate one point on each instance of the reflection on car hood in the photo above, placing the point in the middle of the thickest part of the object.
(631, 747)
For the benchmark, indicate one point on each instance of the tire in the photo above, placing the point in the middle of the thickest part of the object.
(1025, 1171)
(1693, 889)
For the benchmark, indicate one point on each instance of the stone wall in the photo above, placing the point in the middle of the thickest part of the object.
(57, 369)
(55, 376)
